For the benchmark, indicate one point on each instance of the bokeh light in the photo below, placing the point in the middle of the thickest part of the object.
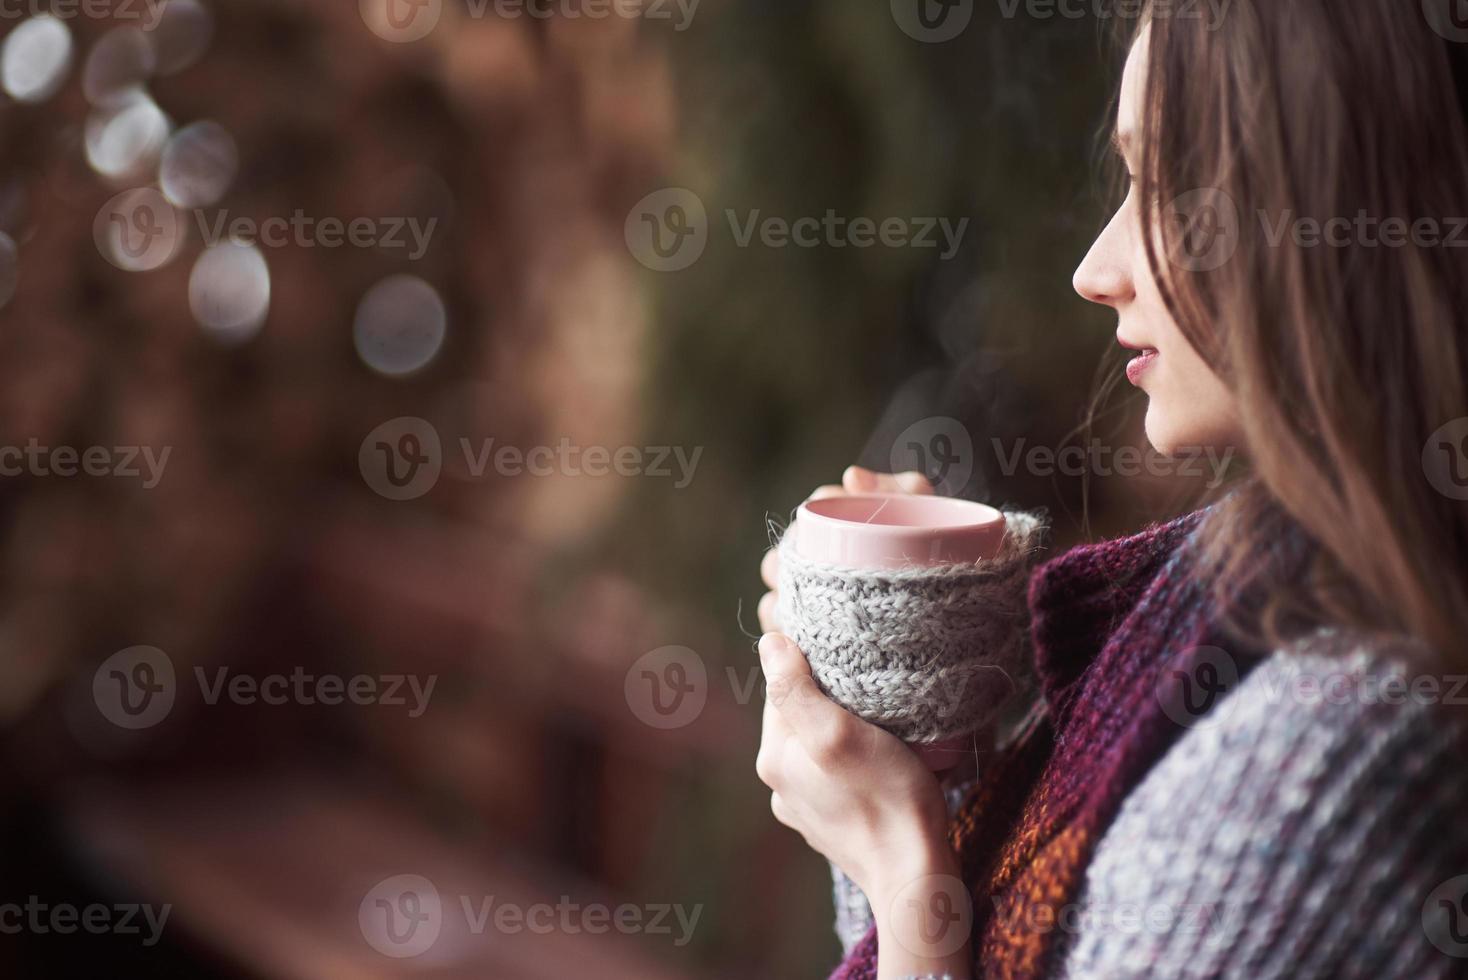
(229, 291)
(35, 58)
(198, 165)
(400, 325)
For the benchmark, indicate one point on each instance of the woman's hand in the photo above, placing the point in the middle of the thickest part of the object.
(863, 799)
(857, 794)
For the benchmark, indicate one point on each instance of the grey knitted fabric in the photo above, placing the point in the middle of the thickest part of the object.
(1308, 827)
(926, 653)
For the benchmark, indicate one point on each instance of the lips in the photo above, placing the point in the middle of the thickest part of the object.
(1139, 364)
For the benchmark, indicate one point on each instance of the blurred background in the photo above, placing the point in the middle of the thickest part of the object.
(395, 399)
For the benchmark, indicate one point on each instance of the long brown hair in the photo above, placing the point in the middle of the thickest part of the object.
(1347, 358)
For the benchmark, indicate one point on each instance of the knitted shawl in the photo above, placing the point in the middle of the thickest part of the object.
(1108, 621)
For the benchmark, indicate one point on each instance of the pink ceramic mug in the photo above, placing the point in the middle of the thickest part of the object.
(891, 531)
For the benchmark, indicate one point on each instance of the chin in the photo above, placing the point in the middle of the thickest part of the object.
(1165, 433)
(1174, 432)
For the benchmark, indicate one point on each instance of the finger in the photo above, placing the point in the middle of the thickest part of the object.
(829, 490)
(774, 733)
(817, 722)
(913, 482)
(771, 747)
(780, 810)
(774, 729)
(769, 569)
(768, 607)
(856, 479)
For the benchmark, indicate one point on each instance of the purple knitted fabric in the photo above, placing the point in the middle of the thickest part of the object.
(1122, 634)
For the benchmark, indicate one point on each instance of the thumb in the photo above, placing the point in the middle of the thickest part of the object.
(792, 689)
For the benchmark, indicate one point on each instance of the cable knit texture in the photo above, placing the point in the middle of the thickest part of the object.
(1184, 807)
(928, 653)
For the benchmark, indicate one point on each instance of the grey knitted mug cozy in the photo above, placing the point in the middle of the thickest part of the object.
(927, 653)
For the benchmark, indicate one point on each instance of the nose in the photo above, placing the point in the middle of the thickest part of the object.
(1104, 275)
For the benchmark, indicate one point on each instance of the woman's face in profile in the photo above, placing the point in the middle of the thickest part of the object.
(1188, 405)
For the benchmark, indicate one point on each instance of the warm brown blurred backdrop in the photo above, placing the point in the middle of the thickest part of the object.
(463, 237)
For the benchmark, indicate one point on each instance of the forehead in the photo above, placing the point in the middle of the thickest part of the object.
(1133, 84)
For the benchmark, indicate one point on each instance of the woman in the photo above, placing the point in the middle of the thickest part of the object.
(1245, 761)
